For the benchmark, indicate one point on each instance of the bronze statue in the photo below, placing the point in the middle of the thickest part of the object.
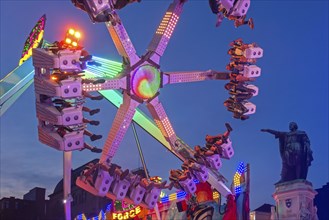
(295, 152)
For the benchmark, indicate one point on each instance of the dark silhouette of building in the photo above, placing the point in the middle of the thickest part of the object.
(32, 206)
(321, 201)
(261, 213)
(83, 201)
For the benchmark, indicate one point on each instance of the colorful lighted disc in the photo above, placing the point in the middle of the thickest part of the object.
(145, 81)
(34, 39)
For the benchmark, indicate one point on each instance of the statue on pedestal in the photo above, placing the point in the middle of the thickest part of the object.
(295, 152)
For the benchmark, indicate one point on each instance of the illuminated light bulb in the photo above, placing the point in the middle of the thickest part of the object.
(71, 31)
(74, 44)
(77, 34)
(68, 40)
(53, 77)
(162, 194)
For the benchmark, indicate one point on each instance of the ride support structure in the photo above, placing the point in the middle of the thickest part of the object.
(61, 92)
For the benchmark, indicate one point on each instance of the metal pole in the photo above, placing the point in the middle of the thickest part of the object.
(140, 151)
(248, 188)
(248, 178)
(67, 166)
(156, 208)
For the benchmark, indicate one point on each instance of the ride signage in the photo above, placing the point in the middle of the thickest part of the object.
(129, 214)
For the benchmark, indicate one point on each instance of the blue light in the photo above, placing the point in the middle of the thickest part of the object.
(240, 168)
(108, 207)
(237, 190)
(165, 199)
(181, 194)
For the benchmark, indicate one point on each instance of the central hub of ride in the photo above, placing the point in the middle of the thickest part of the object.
(145, 81)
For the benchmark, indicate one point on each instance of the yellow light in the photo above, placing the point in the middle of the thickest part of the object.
(127, 214)
(74, 44)
(54, 78)
(162, 194)
(71, 31)
(77, 34)
(215, 195)
(68, 40)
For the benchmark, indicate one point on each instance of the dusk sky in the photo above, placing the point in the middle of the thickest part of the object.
(293, 87)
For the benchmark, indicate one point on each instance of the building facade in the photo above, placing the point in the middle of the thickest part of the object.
(321, 201)
(32, 206)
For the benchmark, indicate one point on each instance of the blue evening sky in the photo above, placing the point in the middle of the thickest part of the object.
(293, 87)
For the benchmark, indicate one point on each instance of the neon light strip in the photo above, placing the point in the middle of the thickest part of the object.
(168, 24)
(108, 69)
(182, 194)
(101, 215)
(237, 178)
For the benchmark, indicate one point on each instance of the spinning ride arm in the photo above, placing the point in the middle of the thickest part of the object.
(182, 151)
(163, 33)
(162, 121)
(122, 41)
(107, 85)
(194, 76)
(119, 127)
(215, 179)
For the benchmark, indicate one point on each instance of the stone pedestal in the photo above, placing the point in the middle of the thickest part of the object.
(294, 201)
